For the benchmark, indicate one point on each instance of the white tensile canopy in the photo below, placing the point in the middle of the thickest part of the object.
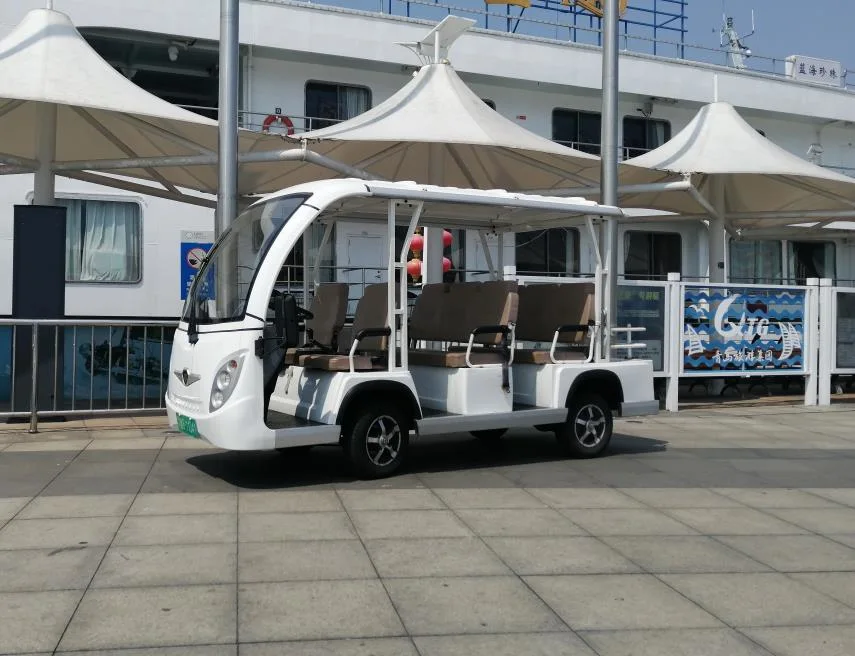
(730, 174)
(742, 175)
(437, 130)
(64, 109)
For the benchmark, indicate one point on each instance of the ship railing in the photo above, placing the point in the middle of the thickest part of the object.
(82, 367)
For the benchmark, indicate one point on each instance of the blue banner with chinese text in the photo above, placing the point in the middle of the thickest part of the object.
(725, 330)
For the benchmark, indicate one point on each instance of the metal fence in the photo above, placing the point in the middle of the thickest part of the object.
(58, 368)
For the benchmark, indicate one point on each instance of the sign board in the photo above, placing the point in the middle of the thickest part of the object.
(724, 330)
(194, 247)
(642, 307)
(596, 6)
(810, 69)
(845, 331)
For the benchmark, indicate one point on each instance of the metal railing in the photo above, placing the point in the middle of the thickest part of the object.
(553, 22)
(78, 367)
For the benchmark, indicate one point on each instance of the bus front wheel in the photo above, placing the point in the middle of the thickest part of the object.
(377, 440)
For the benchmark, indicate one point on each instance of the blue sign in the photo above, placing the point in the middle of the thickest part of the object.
(194, 247)
(729, 331)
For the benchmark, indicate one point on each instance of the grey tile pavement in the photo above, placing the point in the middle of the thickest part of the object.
(704, 534)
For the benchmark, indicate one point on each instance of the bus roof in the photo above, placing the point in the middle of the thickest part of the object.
(523, 210)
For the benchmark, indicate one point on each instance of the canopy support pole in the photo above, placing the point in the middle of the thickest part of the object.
(228, 115)
(717, 232)
(289, 155)
(432, 264)
(127, 185)
(609, 166)
(44, 185)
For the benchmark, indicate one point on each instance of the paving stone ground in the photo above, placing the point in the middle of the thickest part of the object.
(717, 532)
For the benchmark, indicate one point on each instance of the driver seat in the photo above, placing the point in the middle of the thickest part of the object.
(328, 308)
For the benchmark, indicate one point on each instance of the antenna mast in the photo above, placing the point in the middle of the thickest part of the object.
(738, 51)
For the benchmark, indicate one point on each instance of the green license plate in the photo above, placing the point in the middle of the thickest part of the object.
(187, 425)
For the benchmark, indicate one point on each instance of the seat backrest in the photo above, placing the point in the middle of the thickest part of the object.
(543, 308)
(371, 312)
(449, 312)
(329, 307)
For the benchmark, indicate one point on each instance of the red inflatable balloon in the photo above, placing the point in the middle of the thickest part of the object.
(417, 243)
(446, 239)
(414, 268)
(446, 265)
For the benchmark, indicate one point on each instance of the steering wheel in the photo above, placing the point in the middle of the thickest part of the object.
(302, 313)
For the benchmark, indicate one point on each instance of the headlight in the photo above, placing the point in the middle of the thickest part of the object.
(225, 381)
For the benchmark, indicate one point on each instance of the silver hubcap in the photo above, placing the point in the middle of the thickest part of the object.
(590, 425)
(383, 441)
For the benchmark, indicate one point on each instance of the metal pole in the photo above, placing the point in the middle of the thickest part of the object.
(609, 164)
(44, 184)
(227, 146)
(228, 114)
(34, 384)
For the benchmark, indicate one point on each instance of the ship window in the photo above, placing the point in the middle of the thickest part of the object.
(102, 241)
(547, 252)
(652, 255)
(641, 135)
(811, 259)
(756, 261)
(328, 103)
(579, 130)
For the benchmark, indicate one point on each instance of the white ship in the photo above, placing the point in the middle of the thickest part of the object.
(307, 65)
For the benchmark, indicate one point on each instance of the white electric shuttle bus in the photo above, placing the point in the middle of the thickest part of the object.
(479, 356)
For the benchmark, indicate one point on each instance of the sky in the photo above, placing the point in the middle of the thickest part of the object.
(821, 28)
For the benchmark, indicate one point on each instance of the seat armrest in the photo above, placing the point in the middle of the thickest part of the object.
(591, 327)
(491, 330)
(386, 331)
(372, 332)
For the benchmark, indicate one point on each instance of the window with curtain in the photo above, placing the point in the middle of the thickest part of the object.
(643, 134)
(652, 255)
(579, 130)
(102, 241)
(812, 259)
(544, 252)
(328, 102)
(755, 261)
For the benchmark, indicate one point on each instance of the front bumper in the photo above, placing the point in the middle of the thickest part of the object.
(234, 427)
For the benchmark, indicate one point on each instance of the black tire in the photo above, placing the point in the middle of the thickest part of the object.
(490, 435)
(376, 440)
(588, 429)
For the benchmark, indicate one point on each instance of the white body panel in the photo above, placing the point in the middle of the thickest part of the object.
(318, 395)
(548, 385)
(473, 391)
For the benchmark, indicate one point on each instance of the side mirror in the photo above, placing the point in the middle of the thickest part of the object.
(285, 320)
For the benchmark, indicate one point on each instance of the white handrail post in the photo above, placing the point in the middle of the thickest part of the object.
(813, 337)
(674, 319)
(827, 343)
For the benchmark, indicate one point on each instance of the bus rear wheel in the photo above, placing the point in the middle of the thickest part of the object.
(588, 429)
(377, 440)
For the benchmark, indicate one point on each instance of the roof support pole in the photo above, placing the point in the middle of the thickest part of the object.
(44, 186)
(717, 232)
(609, 167)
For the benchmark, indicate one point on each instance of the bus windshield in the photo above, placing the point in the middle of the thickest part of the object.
(221, 288)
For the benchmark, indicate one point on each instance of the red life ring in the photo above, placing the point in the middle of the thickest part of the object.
(277, 118)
